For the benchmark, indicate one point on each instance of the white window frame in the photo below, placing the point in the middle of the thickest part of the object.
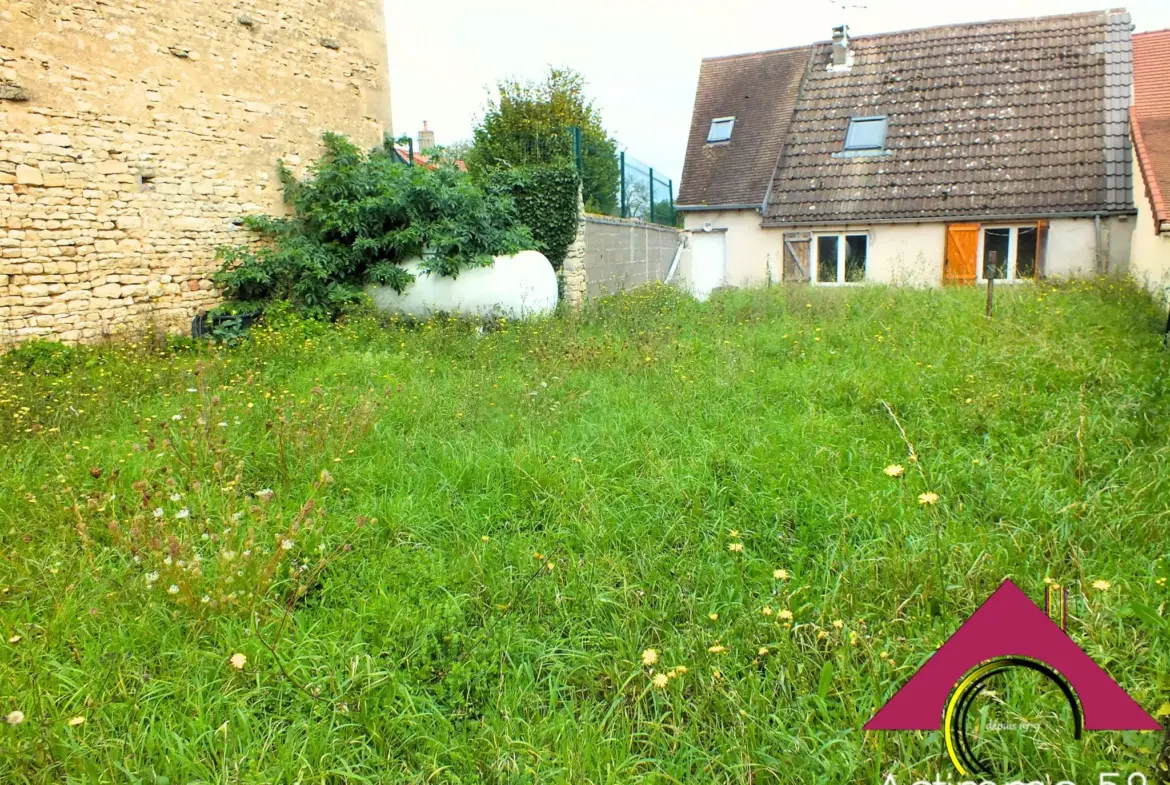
(1013, 240)
(730, 128)
(815, 254)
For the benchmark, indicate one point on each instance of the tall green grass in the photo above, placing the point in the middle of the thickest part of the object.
(473, 535)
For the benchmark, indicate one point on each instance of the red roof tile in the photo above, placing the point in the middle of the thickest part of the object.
(1150, 118)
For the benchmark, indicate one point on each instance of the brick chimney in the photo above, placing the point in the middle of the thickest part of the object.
(842, 55)
(426, 138)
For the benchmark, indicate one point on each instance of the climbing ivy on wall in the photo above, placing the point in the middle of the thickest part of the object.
(545, 196)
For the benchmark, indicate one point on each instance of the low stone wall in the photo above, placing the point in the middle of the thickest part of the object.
(612, 254)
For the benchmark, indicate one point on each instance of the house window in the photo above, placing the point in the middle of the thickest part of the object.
(1009, 253)
(720, 129)
(866, 133)
(840, 258)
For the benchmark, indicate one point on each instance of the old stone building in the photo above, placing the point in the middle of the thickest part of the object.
(135, 135)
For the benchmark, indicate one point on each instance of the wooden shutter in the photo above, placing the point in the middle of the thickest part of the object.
(797, 254)
(962, 248)
(1041, 249)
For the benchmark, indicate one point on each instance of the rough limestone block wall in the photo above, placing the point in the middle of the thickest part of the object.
(622, 253)
(135, 135)
(572, 272)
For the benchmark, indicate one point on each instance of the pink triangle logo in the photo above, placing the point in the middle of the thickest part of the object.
(1009, 628)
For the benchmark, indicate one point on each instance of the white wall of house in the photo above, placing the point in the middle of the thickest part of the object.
(907, 253)
(751, 250)
(1150, 252)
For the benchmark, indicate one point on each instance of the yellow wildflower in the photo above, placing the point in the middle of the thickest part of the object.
(649, 657)
(735, 547)
(73, 723)
(1101, 585)
(238, 661)
(717, 649)
(781, 574)
(660, 680)
(927, 498)
(895, 470)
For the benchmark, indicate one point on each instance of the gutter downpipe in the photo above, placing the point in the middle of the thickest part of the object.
(1097, 242)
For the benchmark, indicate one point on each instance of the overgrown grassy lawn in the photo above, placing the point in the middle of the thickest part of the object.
(443, 553)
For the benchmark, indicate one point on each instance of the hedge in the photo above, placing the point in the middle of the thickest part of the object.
(546, 202)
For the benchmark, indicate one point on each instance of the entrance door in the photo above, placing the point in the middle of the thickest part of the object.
(708, 262)
(962, 251)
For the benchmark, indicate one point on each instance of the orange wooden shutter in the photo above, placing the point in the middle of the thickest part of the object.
(962, 248)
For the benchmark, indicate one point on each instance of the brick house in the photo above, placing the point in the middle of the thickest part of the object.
(942, 155)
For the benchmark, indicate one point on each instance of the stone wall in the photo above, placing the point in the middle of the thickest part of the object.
(135, 135)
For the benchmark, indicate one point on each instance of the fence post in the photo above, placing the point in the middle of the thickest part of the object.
(410, 151)
(670, 193)
(623, 168)
(651, 194)
(578, 155)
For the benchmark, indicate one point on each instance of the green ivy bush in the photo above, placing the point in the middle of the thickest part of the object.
(356, 219)
(546, 202)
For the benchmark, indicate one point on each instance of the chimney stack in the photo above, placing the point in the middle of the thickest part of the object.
(426, 138)
(842, 57)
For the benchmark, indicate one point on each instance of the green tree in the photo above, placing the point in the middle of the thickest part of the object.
(529, 123)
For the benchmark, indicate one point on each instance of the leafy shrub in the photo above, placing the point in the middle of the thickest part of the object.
(357, 218)
(546, 202)
(46, 358)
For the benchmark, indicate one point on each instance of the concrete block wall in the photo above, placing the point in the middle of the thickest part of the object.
(622, 253)
(135, 135)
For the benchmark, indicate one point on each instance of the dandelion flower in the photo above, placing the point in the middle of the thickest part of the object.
(781, 574)
(733, 534)
(1102, 585)
(838, 624)
(73, 723)
(649, 657)
(895, 470)
(735, 547)
(15, 639)
(767, 610)
(485, 538)
(784, 615)
(238, 661)
(173, 589)
(14, 717)
(717, 649)
(713, 616)
(661, 680)
(927, 498)
(763, 652)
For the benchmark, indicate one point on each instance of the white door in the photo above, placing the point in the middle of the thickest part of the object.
(708, 262)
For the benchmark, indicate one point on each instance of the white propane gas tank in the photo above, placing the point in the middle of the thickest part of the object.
(516, 286)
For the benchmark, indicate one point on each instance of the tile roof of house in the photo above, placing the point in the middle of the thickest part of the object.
(759, 91)
(1150, 117)
(404, 153)
(994, 119)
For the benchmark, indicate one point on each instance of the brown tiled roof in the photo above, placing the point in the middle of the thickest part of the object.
(995, 119)
(1150, 117)
(759, 91)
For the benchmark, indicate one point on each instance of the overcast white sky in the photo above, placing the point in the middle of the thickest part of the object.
(640, 57)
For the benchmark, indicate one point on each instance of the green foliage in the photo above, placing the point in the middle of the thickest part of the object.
(546, 202)
(356, 219)
(411, 634)
(46, 358)
(530, 122)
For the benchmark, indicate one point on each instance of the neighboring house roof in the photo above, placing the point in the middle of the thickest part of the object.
(1150, 118)
(759, 91)
(993, 119)
(404, 154)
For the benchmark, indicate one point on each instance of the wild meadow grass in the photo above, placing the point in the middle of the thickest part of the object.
(657, 542)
